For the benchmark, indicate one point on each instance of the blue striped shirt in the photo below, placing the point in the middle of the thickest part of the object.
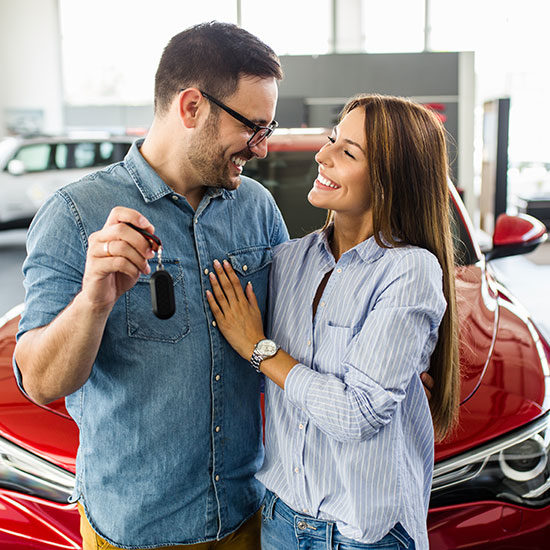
(350, 439)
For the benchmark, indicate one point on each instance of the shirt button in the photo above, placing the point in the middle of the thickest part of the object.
(309, 342)
(213, 323)
(301, 525)
(301, 426)
(206, 271)
(297, 470)
(217, 377)
(322, 304)
(339, 270)
(218, 428)
(245, 268)
(305, 511)
(217, 478)
(175, 197)
(196, 221)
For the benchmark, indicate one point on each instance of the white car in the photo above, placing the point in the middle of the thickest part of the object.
(31, 169)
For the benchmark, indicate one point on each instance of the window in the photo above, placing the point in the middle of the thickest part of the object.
(35, 157)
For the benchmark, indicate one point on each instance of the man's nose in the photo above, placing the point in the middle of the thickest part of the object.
(260, 149)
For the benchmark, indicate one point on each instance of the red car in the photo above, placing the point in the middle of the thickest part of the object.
(491, 485)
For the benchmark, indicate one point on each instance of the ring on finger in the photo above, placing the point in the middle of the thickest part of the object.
(106, 248)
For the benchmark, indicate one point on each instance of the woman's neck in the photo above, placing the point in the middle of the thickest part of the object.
(349, 232)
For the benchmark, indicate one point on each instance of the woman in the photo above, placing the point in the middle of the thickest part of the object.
(359, 309)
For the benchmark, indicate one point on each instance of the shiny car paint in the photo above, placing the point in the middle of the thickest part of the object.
(505, 388)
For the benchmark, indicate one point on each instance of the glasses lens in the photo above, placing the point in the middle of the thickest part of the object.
(259, 136)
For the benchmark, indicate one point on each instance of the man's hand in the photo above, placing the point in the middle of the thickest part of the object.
(428, 382)
(117, 255)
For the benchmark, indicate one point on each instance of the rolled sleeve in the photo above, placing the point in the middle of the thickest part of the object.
(394, 344)
(54, 266)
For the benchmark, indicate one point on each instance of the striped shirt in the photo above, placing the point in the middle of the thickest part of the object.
(350, 439)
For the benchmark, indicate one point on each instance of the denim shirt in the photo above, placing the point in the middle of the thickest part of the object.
(169, 419)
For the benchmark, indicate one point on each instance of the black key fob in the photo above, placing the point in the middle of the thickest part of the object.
(162, 294)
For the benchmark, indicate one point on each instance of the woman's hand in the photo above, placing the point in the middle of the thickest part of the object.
(236, 312)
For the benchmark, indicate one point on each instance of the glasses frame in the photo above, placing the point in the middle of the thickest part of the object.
(256, 129)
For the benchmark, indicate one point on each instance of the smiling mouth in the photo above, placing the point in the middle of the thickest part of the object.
(324, 182)
(238, 161)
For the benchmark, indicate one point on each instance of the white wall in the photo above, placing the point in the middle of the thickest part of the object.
(30, 62)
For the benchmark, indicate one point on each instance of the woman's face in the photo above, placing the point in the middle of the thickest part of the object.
(341, 184)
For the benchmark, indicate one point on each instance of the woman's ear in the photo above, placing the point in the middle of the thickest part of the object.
(191, 106)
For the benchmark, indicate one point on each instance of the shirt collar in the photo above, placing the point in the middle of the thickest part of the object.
(151, 186)
(369, 251)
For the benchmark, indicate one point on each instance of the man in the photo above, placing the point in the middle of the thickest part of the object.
(168, 413)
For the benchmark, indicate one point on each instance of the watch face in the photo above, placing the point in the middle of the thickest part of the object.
(267, 347)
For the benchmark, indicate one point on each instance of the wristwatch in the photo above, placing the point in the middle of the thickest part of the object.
(264, 349)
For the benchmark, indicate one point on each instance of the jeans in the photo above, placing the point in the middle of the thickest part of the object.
(285, 529)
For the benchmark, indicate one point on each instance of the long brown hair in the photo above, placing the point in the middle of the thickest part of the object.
(408, 175)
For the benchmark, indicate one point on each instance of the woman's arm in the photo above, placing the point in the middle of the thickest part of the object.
(349, 408)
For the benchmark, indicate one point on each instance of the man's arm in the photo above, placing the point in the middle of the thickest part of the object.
(56, 359)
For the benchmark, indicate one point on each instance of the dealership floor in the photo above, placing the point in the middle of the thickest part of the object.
(528, 277)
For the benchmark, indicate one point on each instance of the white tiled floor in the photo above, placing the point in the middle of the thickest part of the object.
(528, 277)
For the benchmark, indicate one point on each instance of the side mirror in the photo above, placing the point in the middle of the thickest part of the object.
(16, 167)
(516, 235)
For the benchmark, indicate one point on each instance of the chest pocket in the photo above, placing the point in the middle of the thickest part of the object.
(250, 261)
(142, 322)
(252, 264)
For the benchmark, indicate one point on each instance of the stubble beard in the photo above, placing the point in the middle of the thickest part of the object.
(207, 157)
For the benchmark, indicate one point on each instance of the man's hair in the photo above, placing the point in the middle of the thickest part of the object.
(211, 56)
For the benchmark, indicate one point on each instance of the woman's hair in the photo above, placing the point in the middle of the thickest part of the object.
(408, 174)
(211, 56)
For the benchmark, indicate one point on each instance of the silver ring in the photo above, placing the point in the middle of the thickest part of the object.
(106, 248)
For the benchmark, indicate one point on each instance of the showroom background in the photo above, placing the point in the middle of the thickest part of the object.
(75, 65)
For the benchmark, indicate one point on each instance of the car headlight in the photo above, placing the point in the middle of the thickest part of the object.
(22, 471)
(514, 468)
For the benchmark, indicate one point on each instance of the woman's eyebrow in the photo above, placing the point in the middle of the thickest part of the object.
(351, 142)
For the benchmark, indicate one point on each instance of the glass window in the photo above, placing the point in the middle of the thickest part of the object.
(105, 151)
(61, 152)
(84, 155)
(393, 25)
(288, 26)
(120, 66)
(35, 157)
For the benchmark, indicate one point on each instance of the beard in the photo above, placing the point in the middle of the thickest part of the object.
(208, 158)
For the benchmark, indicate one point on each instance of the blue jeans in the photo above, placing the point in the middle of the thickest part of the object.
(285, 529)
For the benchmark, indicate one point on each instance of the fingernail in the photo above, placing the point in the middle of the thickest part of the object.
(212, 276)
(249, 284)
(225, 262)
(148, 269)
(216, 263)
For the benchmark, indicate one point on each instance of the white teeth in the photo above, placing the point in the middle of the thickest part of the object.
(238, 161)
(326, 182)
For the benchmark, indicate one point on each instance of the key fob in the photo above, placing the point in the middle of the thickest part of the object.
(162, 294)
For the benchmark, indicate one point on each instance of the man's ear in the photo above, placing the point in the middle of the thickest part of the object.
(192, 106)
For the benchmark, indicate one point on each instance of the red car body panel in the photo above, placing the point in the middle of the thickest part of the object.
(504, 384)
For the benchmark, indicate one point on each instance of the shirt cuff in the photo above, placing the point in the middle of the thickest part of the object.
(297, 382)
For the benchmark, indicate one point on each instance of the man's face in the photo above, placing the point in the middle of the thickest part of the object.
(219, 150)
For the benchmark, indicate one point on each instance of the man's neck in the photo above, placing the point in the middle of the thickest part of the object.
(167, 159)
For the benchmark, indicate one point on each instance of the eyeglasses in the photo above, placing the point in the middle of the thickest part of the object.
(259, 132)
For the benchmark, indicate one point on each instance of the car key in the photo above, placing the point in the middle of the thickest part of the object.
(162, 291)
(160, 283)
